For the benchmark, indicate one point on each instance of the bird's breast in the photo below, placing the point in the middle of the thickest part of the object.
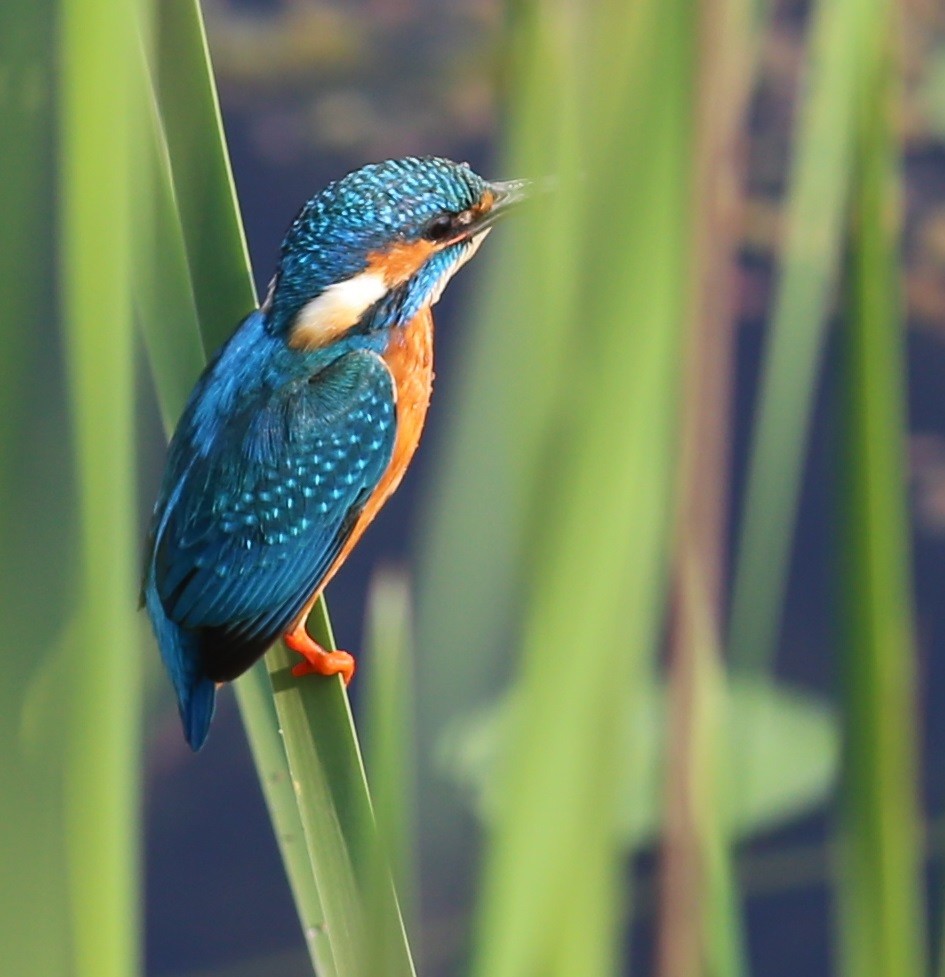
(409, 357)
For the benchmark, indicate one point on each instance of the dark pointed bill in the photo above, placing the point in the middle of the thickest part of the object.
(508, 195)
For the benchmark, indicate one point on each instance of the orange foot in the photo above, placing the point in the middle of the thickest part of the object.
(317, 660)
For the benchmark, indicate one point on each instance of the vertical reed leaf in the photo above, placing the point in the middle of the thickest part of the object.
(601, 491)
(101, 738)
(193, 192)
(331, 792)
(195, 174)
(206, 267)
(36, 572)
(388, 710)
(883, 927)
(818, 190)
(477, 515)
(715, 943)
(163, 293)
(388, 748)
(699, 926)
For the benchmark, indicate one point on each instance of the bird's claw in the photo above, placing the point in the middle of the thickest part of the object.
(318, 661)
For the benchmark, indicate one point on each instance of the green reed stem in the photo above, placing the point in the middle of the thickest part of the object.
(883, 914)
(102, 731)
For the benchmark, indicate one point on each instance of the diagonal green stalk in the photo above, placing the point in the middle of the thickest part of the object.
(101, 736)
(203, 179)
(312, 775)
(337, 817)
(882, 910)
(164, 294)
(163, 289)
(255, 699)
(177, 356)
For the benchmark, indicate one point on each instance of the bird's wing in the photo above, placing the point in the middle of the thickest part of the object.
(255, 524)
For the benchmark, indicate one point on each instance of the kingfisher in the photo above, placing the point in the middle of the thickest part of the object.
(304, 422)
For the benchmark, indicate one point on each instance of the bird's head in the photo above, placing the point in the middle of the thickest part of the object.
(376, 246)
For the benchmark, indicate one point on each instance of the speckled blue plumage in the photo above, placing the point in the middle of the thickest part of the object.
(278, 449)
(265, 472)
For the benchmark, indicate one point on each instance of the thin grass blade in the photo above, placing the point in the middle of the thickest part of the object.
(203, 178)
(818, 192)
(168, 319)
(163, 293)
(881, 883)
(198, 178)
(389, 750)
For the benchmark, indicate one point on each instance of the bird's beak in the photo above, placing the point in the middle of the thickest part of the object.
(508, 195)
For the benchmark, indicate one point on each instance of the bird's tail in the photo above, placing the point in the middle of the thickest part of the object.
(180, 650)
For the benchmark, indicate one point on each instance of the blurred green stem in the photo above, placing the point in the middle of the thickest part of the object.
(102, 736)
(815, 208)
(389, 743)
(882, 911)
(603, 450)
(698, 934)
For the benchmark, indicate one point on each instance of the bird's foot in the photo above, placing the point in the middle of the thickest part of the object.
(318, 661)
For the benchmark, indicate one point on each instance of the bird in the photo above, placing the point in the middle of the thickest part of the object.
(303, 423)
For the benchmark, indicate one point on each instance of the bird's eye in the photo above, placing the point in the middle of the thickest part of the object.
(439, 227)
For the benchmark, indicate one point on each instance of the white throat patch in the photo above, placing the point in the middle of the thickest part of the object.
(471, 248)
(336, 309)
(341, 305)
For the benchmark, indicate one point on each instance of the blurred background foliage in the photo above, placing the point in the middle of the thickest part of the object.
(674, 542)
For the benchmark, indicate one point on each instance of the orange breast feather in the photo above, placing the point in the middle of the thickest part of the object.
(410, 360)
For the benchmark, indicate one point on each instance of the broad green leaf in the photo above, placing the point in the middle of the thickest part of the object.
(789, 739)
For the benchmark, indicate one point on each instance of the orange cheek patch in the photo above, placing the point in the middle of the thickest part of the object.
(404, 259)
(401, 260)
(486, 203)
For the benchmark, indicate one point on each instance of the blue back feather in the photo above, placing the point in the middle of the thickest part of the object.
(264, 483)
